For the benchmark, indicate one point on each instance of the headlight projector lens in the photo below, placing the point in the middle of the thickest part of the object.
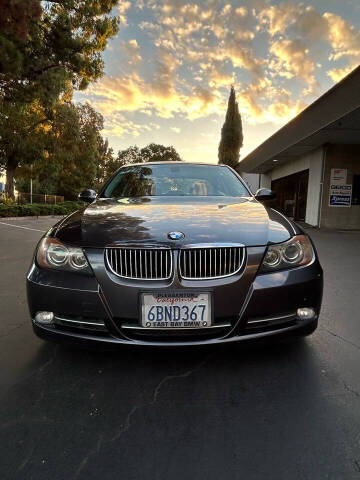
(57, 254)
(272, 258)
(293, 253)
(78, 260)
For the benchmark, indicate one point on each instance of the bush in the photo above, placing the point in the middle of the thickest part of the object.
(4, 199)
(37, 209)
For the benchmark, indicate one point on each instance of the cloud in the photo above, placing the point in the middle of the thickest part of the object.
(344, 39)
(287, 18)
(279, 17)
(345, 43)
(329, 30)
(131, 93)
(131, 51)
(164, 77)
(337, 74)
(175, 129)
(293, 60)
(208, 31)
(261, 102)
(189, 53)
(117, 125)
(122, 8)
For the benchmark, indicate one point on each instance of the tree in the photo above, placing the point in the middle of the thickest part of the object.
(155, 152)
(75, 131)
(60, 52)
(72, 152)
(231, 133)
(21, 139)
(17, 15)
(124, 157)
(105, 157)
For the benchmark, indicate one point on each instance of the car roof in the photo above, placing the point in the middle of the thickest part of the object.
(175, 162)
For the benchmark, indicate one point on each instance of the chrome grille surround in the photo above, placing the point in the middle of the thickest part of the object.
(140, 262)
(211, 261)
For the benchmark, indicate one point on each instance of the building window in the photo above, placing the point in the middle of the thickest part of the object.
(356, 190)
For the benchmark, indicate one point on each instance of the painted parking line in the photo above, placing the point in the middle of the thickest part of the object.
(25, 228)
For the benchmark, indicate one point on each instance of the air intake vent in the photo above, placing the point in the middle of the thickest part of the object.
(210, 262)
(140, 263)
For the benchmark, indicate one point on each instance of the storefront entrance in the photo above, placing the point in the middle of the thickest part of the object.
(291, 194)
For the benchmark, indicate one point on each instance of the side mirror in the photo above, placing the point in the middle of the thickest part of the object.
(264, 194)
(87, 196)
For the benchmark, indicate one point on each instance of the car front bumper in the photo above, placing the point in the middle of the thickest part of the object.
(83, 313)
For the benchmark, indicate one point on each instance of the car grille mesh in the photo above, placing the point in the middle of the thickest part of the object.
(140, 263)
(210, 262)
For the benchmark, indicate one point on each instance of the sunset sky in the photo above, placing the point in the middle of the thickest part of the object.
(169, 70)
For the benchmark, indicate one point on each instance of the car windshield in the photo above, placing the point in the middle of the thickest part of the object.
(175, 180)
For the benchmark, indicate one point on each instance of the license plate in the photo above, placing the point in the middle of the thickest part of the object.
(183, 310)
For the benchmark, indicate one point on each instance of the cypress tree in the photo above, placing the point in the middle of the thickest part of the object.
(231, 133)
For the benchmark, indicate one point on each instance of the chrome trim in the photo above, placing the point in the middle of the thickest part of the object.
(142, 249)
(129, 326)
(98, 324)
(291, 316)
(138, 246)
(80, 324)
(211, 245)
(213, 248)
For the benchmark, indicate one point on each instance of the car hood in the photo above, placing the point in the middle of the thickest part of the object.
(149, 220)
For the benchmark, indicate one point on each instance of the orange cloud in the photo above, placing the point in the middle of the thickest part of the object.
(131, 93)
(261, 102)
(293, 60)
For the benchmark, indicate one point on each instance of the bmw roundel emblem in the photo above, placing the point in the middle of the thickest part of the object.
(175, 235)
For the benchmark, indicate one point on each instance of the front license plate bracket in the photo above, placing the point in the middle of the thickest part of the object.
(169, 311)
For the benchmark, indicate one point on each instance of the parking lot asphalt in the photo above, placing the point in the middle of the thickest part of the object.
(254, 411)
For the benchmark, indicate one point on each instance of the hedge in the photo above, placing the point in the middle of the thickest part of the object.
(37, 209)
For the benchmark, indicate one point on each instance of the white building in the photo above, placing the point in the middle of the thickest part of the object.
(313, 162)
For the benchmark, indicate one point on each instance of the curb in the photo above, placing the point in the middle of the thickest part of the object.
(34, 217)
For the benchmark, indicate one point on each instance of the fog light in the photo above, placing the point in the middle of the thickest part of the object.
(46, 318)
(305, 313)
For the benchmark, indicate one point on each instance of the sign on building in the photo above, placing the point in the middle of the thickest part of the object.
(338, 176)
(340, 195)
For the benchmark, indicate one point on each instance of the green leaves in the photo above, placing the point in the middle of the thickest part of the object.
(153, 152)
(62, 46)
(48, 49)
(231, 133)
(159, 153)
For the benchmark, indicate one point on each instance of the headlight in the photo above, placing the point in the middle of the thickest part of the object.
(295, 252)
(54, 254)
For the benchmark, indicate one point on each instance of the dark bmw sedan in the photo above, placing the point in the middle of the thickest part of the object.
(174, 253)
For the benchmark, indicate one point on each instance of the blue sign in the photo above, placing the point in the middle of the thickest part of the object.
(340, 200)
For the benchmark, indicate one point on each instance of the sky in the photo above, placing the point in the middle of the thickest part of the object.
(169, 70)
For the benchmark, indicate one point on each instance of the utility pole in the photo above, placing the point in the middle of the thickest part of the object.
(31, 186)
